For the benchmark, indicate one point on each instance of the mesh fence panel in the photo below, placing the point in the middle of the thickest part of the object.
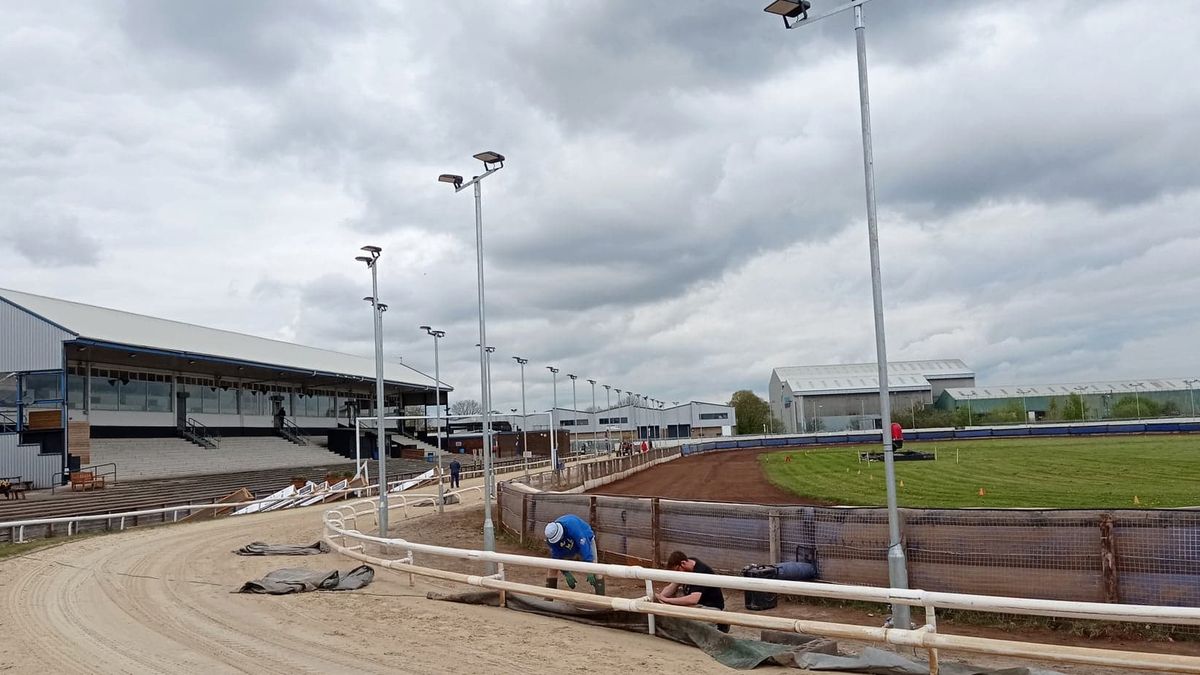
(1153, 556)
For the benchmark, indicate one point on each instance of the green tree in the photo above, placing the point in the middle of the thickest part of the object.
(1052, 410)
(1075, 408)
(929, 417)
(1012, 412)
(1130, 407)
(752, 413)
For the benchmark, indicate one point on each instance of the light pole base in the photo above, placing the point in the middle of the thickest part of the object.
(489, 543)
(901, 614)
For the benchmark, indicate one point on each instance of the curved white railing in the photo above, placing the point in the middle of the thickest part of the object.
(342, 532)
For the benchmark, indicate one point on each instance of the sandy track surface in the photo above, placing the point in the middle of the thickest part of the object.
(159, 600)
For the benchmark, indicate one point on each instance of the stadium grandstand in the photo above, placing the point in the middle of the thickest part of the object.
(843, 397)
(76, 378)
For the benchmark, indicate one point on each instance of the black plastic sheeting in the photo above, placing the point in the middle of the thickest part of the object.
(293, 580)
(806, 651)
(262, 548)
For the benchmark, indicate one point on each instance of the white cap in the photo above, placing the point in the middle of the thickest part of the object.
(554, 532)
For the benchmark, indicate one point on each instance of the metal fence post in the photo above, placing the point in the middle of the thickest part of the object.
(656, 532)
(524, 515)
(776, 547)
(1108, 559)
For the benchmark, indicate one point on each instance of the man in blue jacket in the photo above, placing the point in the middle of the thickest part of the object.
(570, 538)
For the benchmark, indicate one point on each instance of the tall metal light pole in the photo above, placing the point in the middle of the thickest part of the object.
(574, 413)
(1082, 402)
(1137, 400)
(524, 420)
(798, 10)
(489, 478)
(377, 310)
(1191, 399)
(607, 395)
(437, 388)
(554, 422)
(492, 162)
(970, 418)
(1024, 405)
(593, 383)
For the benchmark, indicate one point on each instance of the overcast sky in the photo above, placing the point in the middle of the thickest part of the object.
(682, 209)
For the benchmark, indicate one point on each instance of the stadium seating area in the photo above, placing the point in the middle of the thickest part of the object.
(151, 458)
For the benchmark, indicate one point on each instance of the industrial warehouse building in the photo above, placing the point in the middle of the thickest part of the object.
(846, 396)
(70, 372)
(1118, 399)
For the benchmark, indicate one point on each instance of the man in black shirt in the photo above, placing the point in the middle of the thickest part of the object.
(690, 595)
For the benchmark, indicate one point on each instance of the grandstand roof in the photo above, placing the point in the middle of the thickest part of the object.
(90, 323)
(860, 377)
(1086, 388)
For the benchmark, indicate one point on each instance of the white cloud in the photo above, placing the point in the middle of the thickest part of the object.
(683, 205)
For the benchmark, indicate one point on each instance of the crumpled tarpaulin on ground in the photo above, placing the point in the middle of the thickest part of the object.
(815, 653)
(293, 580)
(738, 653)
(881, 662)
(262, 548)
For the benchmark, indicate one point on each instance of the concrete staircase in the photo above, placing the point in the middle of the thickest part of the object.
(149, 458)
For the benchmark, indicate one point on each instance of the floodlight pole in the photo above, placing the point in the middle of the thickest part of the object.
(554, 423)
(1191, 398)
(492, 163)
(524, 416)
(593, 382)
(897, 568)
(574, 414)
(377, 310)
(437, 388)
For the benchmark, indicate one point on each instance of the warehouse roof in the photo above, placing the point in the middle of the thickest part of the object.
(851, 378)
(1085, 388)
(102, 325)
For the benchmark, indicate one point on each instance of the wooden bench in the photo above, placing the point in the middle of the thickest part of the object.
(86, 481)
(12, 487)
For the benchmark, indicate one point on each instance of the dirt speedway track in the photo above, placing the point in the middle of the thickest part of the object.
(159, 600)
(733, 476)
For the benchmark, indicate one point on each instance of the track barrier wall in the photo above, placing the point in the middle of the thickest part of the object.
(1138, 557)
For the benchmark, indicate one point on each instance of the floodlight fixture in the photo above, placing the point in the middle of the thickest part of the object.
(491, 159)
(789, 9)
(552, 369)
(452, 179)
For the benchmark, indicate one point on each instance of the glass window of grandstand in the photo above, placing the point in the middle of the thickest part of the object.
(76, 388)
(714, 416)
(43, 387)
(123, 390)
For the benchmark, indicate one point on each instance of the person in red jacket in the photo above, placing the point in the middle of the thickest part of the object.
(897, 436)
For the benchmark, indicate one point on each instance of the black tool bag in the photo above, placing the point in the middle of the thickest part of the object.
(757, 601)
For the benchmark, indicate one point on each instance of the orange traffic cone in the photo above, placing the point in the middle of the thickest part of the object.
(901, 483)
(982, 492)
(1136, 500)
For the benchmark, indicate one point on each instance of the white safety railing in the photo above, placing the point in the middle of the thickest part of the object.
(341, 531)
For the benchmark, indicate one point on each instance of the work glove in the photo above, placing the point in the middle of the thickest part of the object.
(597, 584)
(570, 579)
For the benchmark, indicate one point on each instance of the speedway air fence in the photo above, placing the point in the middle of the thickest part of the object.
(1128, 556)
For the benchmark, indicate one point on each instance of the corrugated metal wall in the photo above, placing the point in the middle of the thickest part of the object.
(27, 461)
(27, 342)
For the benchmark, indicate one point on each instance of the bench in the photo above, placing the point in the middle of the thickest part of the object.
(12, 487)
(86, 481)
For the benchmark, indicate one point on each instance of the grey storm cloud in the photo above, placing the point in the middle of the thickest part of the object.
(52, 240)
(682, 208)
